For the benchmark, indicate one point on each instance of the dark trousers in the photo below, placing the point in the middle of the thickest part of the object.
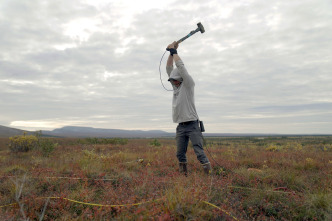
(184, 132)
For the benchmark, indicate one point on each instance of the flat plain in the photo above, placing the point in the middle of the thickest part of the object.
(253, 178)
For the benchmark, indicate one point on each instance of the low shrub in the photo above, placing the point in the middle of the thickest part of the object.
(155, 143)
(47, 146)
(95, 140)
(23, 143)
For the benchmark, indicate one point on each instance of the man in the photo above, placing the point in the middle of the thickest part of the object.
(184, 112)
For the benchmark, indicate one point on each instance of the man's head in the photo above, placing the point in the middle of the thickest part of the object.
(175, 82)
(175, 78)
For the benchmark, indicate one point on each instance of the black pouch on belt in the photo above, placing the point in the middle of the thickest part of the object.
(201, 125)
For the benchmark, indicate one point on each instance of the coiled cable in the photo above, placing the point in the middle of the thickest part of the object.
(160, 73)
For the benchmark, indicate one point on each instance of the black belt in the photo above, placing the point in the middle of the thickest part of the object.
(187, 122)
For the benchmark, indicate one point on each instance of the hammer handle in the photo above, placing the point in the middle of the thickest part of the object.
(185, 37)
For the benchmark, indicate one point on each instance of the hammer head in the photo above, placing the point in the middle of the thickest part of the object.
(201, 28)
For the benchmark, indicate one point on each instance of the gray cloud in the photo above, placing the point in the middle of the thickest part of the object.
(259, 67)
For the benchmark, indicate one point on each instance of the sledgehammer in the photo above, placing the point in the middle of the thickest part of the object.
(199, 28)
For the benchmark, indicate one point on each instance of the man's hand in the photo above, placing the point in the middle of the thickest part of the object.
(174, 45)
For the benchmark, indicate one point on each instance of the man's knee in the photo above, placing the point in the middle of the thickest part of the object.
(201, 156)
(197, 139)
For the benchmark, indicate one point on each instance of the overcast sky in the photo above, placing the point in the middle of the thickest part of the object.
(261, 66)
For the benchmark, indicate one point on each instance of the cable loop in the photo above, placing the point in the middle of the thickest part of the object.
(160, 73)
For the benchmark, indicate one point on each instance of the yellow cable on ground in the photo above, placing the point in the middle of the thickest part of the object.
(100, 205)
(84, 203)
(248, 188)
(78, 178)
(123, 205)
(69, 178)
(210, 204)
(8, 205)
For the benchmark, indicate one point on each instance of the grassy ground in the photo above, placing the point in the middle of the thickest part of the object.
(279, 178)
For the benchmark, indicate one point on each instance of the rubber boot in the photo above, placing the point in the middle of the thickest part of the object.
(183, 168)
(207, 168)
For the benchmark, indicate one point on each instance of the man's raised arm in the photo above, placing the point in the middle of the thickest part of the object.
(169, 65)
(188, 80)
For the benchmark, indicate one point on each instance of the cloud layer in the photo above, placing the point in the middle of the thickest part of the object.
(260, 66)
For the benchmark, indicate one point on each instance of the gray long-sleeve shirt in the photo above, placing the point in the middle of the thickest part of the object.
(183, 105)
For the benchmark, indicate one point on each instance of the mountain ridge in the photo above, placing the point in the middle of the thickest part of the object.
(83, 132)
(9, 131)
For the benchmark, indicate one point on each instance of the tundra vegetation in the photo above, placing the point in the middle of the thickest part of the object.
(253, 178)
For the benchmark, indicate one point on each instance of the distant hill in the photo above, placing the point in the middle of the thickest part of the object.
(9, 132)
(71, 131)
(81, 132)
